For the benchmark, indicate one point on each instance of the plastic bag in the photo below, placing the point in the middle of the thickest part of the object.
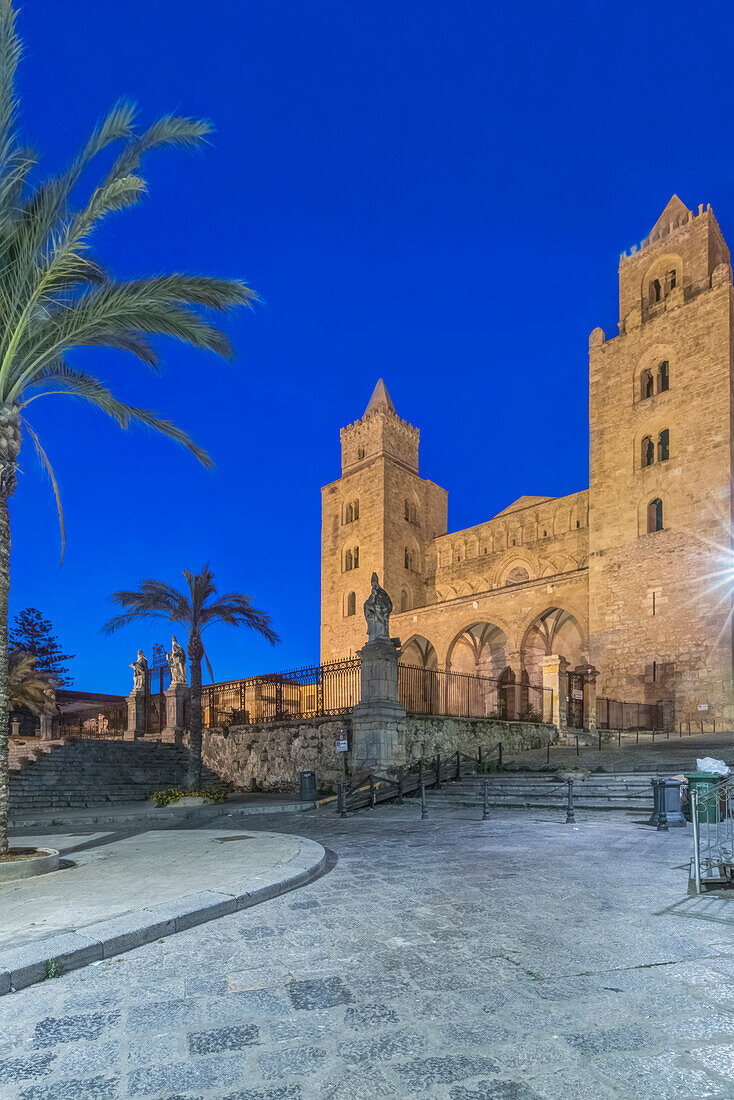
(708, 764)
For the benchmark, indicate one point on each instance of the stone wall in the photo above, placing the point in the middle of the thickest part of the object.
(428, 734)
(269, 757)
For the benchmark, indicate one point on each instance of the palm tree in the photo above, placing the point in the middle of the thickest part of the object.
(55, 297)
(27, 688)
(194, 611)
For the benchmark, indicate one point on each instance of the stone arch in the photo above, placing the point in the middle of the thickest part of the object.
(554, 630)
(481, 647)
(669, 261)
(419, 651)
(650, 361)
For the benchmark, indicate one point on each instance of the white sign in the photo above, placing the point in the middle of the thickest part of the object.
(577, 693)
(342, 740)
(703, 706)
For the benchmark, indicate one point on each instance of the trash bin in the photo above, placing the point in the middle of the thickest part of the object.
(307, 781)
(673, 811)
(702, 783)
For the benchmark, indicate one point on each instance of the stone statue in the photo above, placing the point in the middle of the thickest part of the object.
(377, 608)
(140, 671)
(177, 662)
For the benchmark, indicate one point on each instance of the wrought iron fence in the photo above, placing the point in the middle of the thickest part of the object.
(107, 722)
(464, 695)
(614, 715)
(316, 691)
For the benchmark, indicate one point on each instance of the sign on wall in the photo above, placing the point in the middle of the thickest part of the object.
(342, 740)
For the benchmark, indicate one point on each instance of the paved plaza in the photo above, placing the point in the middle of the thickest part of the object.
(516, 959)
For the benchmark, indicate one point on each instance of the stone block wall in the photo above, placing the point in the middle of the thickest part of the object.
(269, 757)
(428, 734)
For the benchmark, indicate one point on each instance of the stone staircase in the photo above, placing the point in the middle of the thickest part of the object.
(79, 772)
(630, 792)
(663, 756)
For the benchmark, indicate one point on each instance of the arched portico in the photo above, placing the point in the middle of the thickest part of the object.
(419, 651)
(554, 630)
(480, 648)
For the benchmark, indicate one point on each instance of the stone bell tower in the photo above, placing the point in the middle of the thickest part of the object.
(660, 519)
(376, 517)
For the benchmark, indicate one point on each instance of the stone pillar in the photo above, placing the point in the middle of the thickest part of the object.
(590, 674)
(176, 696)
(135, 715)
(555, 677)
(46, 725)
(378, 720)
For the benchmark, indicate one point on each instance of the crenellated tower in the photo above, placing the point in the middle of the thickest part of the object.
(660, 494)
(376, 517)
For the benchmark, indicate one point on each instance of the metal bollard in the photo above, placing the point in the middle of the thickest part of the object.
(547, 752)
(479, 758)
(458, 764)
(577, 744)
(424, 808)
(499, 756)
(373, 799)
(570, 819)
(400, 786)
(663, 816)
(485, 808)
(599, 740)
(342, 802)
(438, 771)
(619, 738)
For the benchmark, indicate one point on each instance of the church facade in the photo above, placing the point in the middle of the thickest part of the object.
(633, 575)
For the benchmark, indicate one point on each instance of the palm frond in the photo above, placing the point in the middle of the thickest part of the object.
(28, 687)
(86, 387)
(43, 458)
(235, 609)
(10, 54)
(168, 130)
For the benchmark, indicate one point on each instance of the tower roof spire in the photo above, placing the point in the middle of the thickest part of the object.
(380, 400)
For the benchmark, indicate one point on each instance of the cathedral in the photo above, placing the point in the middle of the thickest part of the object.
(634, 575)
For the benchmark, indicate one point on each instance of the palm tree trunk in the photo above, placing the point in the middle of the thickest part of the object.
(196, 652)
(9, 450)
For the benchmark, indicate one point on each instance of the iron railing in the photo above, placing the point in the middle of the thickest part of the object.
(614, 715)
(712, 817)
(370, 789)
(312, 692)
(464, 695)
(107, 722)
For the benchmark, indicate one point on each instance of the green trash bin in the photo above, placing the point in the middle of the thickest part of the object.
(702, 783)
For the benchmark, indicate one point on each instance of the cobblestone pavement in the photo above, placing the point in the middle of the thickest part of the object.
(514, 960)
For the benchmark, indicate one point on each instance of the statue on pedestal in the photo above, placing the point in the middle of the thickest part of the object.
(177, 662)
(377, 609)
(140, 671)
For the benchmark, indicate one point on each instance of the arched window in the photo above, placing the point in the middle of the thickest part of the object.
(648, 451)
(348, 514)
(664, 446)
(360, 452)
(656, 291)
(347, 560)
(356, 509)
(646, 384)
(356, 557)
(655, 516)
(351, 604)
(404, 601)
(407, 558)
(663, 376)
(670, 281)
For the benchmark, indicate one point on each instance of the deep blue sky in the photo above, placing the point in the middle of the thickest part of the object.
(435, 191)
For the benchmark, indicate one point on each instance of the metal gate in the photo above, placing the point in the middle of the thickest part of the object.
(156, 682)
(575, 700)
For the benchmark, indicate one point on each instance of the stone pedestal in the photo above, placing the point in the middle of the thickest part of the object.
(555, 669)
(135, 715)
(46, 726)
(176, 696)
(378, 720)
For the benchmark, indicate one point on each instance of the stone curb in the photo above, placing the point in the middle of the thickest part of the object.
(24, 966)
(100, 816)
